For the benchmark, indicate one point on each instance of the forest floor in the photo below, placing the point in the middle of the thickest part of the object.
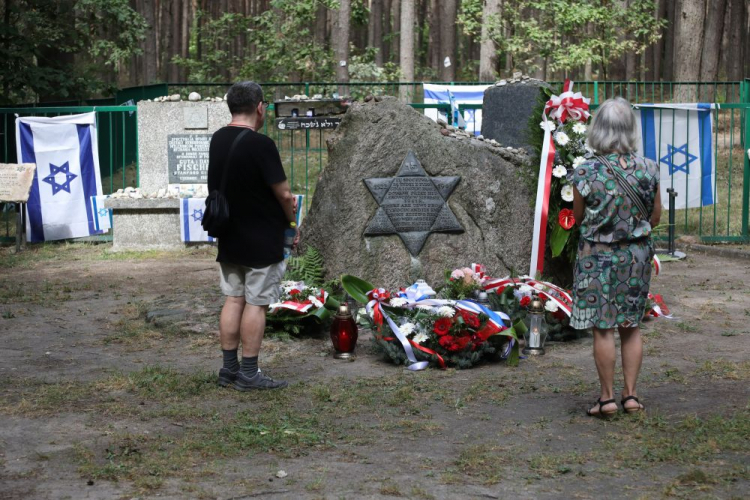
(107, 390)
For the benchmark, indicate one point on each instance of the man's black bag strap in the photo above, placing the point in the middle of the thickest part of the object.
(222, 188)
(629, 190)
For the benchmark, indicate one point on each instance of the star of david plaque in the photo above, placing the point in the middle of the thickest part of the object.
(412, 205)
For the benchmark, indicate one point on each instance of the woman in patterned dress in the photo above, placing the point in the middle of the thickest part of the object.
(613, 268)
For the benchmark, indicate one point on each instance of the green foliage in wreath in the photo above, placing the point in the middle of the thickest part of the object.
(308, 267)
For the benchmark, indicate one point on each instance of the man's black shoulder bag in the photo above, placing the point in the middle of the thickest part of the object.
(216, 214)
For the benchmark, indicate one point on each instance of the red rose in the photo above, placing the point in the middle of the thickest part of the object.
(294, 292)
(442, 326)
(525, 301)
(566, 218)
(460, 343)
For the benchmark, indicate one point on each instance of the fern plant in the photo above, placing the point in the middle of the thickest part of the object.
(308, 267)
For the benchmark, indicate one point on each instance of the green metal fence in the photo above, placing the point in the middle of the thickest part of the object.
(117, 142)
(304, 152)
(636, 92)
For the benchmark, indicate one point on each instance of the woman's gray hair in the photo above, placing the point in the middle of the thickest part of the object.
(613, 129)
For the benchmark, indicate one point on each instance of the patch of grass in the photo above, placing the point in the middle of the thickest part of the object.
(390, 489)
(690, 441)
(725, 369)
(686, 327)
(483, 462)
(553, 465)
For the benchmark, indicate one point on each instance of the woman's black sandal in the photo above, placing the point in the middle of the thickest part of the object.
(601, 413)
(636, 409)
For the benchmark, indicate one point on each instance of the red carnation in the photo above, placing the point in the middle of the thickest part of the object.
(442, 326)
(566, 218)
(447, 342)
(525, 301)
(294, 292)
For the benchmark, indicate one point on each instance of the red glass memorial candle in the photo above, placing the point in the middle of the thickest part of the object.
(344, 333)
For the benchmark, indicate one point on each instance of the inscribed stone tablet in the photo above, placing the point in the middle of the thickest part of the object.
(15, 181)
(195, 117)
(188, 158)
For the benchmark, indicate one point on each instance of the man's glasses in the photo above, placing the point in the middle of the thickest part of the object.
(266, 104)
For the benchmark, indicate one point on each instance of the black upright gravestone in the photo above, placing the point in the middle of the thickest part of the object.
(506, 110)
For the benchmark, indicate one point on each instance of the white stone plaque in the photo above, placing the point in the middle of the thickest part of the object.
(195, 117)
(15, 181)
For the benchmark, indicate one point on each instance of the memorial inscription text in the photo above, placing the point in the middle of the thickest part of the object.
(188, 158)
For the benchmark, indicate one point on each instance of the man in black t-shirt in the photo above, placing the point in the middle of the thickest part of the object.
(251, 250)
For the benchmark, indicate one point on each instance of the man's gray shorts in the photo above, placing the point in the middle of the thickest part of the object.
(259, 286)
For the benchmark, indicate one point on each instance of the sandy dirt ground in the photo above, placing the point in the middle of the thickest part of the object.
(107, 390)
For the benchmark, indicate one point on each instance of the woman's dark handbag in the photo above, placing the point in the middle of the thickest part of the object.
(216, 214)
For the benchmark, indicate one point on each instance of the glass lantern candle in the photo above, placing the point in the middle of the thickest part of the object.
(344, 333)
(536, 334)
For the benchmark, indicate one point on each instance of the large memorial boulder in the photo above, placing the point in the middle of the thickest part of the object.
(402, 199)
(506, 109)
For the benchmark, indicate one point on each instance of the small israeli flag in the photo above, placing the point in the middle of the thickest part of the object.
(679, 137)
(64, 149)
(102, 216)
(191, 215)
(455, 95)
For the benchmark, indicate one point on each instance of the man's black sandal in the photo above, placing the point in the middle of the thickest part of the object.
(601, 413)
(635, 409)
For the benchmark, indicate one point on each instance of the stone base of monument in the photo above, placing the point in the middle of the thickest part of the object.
(145, 224)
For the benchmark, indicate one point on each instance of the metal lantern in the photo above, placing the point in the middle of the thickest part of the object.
(537, 331)
(344, 333)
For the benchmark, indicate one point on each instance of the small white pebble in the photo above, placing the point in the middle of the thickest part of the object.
(281, 474)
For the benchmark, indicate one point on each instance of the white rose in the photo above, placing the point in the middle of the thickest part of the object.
(398, 302)
(551, 306)
(578, 161)
(562, 138)
(407, 328)
(567, 193)
(421, 337)
(579, 128)
(446, 311)
(560, 171)
(526, 289)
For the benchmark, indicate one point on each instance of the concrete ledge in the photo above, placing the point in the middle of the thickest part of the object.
(720, 251)
(142, 203)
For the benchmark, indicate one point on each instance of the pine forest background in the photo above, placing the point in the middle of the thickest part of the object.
(68, 49)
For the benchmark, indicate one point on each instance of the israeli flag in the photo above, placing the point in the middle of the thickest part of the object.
(454, 95)
(102, 216)
(65, 151)
(191, 215)
(679, 137)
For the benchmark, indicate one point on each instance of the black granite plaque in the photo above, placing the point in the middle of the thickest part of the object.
(305, 123)
(412, 205)
(188, 158)
(506, 111)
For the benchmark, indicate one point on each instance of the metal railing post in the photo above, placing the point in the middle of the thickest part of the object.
(670, 233)
(746, 172)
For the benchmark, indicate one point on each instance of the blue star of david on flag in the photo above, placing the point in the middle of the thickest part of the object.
(51, 179)
(197, 215)
(669, 159)
(103, 212)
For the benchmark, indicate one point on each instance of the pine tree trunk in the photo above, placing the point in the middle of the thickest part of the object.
(396, 40)
(688, 43)
(434, 39)
(406, 55)
(149, 47)
(341, 45)
(386, 46)
(712, 47)
(320, 25)
(375, 30)
(487, 49)
(669, 42)
(658, 53)
(735, 48)
(448, 12)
